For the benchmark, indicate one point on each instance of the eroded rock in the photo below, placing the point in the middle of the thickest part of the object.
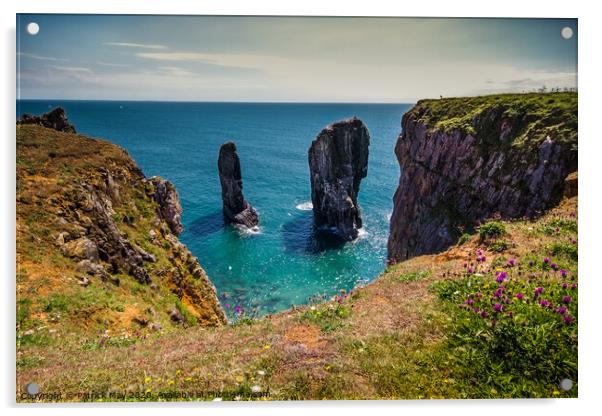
(338, 161)
(54, 119)
(166, 196)
(236, 209)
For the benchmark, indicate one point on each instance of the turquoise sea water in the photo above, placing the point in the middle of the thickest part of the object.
(284, 263)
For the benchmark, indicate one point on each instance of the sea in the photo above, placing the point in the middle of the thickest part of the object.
(284, 263)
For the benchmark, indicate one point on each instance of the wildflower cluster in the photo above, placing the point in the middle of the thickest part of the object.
(514, 317)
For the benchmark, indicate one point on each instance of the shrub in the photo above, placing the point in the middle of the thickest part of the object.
(567, 250)
(464, 238)
(491, 229)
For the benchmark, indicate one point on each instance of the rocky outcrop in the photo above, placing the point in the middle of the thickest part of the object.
(236, 209)
(338, 161)
(108, 223)
(496, 159)
(167, 198)
(54, 119)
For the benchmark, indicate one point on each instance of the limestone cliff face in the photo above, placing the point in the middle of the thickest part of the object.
(467, 160)
(236, 209)
(338, 161)
(87, 206)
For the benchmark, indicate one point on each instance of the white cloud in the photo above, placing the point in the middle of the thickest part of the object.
(40, 57)
(111, 64)
(135, 45)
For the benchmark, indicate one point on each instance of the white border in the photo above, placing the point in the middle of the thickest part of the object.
(590, 96)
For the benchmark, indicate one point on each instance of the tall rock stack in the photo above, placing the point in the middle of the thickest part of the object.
(236, 209)
(338, 161)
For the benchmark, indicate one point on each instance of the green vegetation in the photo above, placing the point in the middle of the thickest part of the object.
(328, 317)
(491, 230)
(532, 116)
(413, 276)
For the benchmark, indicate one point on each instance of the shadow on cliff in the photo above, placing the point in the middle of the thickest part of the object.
(207, 225)
(300, 236)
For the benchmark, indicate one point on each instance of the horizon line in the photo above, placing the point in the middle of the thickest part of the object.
(218, 101)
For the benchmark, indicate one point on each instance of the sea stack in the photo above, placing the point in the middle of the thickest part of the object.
(338, 161)
(236, 209)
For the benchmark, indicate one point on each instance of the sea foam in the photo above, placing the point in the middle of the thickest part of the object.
(305, 206)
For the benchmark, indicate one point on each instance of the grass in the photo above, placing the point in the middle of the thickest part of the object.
(408, 335)
(532, 117)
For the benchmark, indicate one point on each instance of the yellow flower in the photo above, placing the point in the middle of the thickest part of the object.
(188, 379)
(178, 372)
(266, 347)
(239, 379)
(158, 379)
(170, 382)
(556, 393)
(148, 390)
(148, 379)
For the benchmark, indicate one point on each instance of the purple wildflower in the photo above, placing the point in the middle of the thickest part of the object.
(511, 263)
(484, 314)
(500, 276)
(568, 319)
(498, 307)
(546, 260)
(519, 296)
(561, 310)
(566, 299)
(563, 272)
(554, 266)
(228, 305)
(544, 303)
(538, 291)
(237, 309)
(574, 286)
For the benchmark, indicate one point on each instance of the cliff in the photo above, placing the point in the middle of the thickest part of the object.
(97, 243)
(338, 161)
(463, 160)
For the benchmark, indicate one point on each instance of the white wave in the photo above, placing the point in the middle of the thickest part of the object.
(305, 206)
(248, 232)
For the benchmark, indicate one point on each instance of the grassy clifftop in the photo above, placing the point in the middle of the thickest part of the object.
(532, 116)
(94, 253)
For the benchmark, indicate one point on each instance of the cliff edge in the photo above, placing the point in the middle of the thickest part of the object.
(463, 160)
(97, 244)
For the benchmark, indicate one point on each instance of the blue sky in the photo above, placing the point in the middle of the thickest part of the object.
(206, 58)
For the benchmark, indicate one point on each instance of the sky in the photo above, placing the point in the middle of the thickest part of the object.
(288, 59)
